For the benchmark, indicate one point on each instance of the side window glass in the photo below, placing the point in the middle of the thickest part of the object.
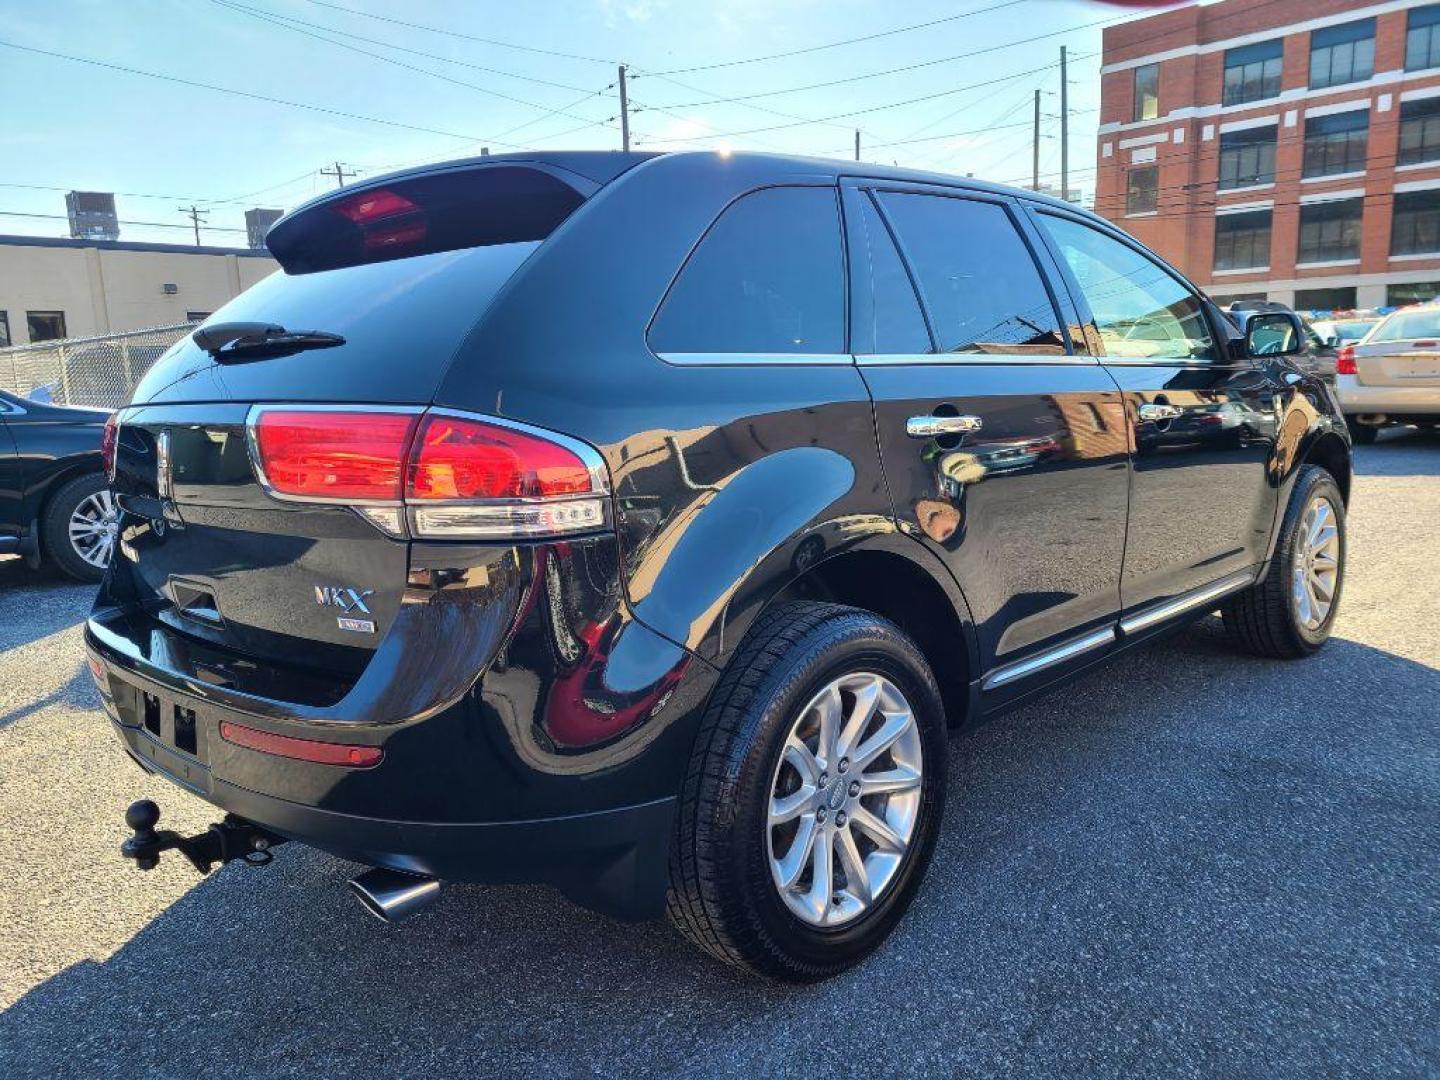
(1141, 311)
(885, 312)
(976, 276)
(767, 278)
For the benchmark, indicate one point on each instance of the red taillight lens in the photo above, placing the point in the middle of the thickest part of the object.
(108, 440)
(370, 206)
(455, 458)
(336, 455)
(1345, 361)
(322, 753)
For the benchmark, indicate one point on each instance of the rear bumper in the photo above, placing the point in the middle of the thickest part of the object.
(614, 861)
(1356, 398)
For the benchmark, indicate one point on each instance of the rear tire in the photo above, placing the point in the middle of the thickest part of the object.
(802, 666)
(78, 528)
(1287, 613)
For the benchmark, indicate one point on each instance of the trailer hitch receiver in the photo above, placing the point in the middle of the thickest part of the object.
(233, 838)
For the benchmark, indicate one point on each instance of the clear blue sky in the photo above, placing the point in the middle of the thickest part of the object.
(72, 125)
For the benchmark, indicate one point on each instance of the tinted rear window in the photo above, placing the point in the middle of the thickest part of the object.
(767, 278)
(402, 321)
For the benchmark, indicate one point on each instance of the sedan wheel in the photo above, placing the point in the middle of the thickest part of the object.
(94, 524)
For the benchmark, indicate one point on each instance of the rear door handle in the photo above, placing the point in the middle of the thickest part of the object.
(1151, 411)
(927, 427)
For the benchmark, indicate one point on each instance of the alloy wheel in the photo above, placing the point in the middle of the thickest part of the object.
(94, 524)
(845, 800)
(1316, 573)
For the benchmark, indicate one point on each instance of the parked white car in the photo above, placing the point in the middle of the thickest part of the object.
(1392, 374)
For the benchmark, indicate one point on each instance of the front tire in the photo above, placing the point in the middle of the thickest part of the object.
(814, 794)
(80, 526)
(1289, 613)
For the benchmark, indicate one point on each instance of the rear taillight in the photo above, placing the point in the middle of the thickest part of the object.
(1345, 361)
(108, 440)
(332, 455)
(453, 475)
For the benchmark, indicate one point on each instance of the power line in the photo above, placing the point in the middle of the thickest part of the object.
(833, 44)
(401, 48)
(122, 221)
(384, 59)
(457, 34)
(256, 97)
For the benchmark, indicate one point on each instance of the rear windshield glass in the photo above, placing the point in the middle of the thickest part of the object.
(1405, 325)
(402, 321)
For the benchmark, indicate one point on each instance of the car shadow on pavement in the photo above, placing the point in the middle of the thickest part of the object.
(45, 598)
(1189, 862)
(78, 692)
(1402, 451)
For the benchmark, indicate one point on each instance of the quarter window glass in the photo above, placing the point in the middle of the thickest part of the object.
(976, 276)
(886, 313)
(767, 278)
(1141, 311)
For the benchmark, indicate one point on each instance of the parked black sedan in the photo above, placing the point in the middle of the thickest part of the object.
(54, 500)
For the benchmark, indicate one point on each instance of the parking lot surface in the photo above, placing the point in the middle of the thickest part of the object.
(1189, 862)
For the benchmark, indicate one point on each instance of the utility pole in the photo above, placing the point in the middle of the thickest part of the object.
(857, 144)
(1064, 129)
(624, 113)
(197, 217)
(339, 173)
(1035, 150)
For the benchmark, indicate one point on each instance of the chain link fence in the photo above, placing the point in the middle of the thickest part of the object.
(96, 371)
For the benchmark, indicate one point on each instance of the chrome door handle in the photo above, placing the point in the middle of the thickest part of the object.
(1151, 411)
(927, 427)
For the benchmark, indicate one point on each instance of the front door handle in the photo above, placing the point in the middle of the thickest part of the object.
(1160, 413)
(927, 427)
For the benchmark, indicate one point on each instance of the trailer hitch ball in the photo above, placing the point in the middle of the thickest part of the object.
(142, 817)
(225, 841)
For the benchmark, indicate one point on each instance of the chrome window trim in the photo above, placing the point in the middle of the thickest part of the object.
(738, 359)
(1186, 602)
(975, 359)
(1003, 676)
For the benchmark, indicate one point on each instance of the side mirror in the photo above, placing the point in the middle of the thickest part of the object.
(1272, 333)
(1332, 341)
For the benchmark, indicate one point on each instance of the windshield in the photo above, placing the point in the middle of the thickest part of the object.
(1408, 325)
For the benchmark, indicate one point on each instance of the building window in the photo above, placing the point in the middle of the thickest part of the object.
(1225, 300)
(1247, 157)
(1252, 73)
(1336, 144)
(1330, 231)
(1242, 241)
(45, 325)
(1142, 190)
(1342, 299)
(1412, 292)
(1422, 38)
(4, 329)
(1147, 92)
(1342, 54)
(1419, 131)
(1415, 228)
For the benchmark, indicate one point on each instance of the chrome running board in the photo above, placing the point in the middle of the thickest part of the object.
(1188, 602)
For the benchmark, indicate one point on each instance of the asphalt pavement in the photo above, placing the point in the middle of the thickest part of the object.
(1188, 863)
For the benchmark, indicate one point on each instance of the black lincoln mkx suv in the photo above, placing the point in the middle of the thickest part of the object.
(640, 524)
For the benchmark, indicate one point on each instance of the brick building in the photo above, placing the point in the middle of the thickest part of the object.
(1286, 149)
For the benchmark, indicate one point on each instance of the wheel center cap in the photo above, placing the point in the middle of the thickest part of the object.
(837, 794)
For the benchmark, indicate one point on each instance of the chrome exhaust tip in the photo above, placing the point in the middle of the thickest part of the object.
(392, 896)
